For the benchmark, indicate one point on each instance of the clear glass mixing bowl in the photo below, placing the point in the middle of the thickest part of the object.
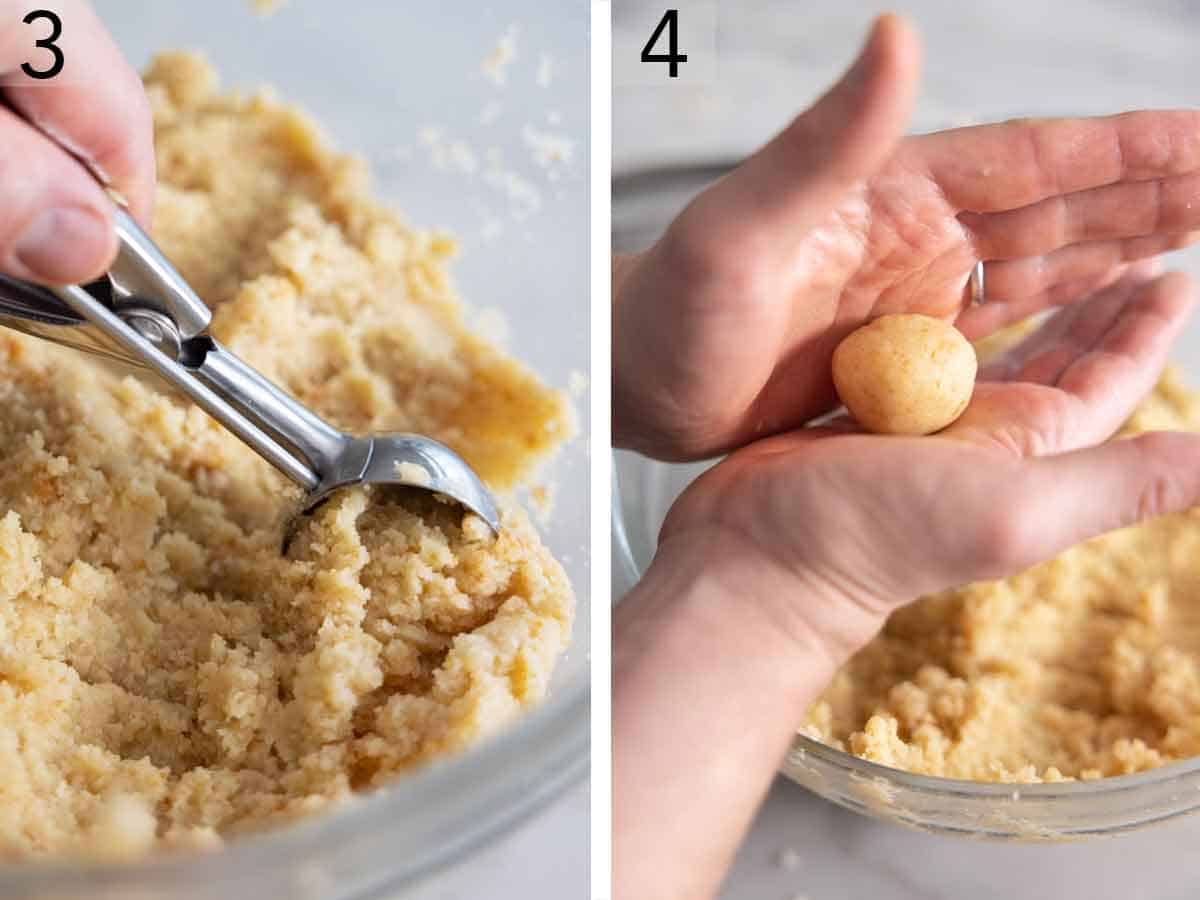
(643, 491)
(375, 75)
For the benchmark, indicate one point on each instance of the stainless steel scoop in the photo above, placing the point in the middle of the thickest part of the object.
(143, 312)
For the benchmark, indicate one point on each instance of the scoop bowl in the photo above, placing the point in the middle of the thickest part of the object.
(408, 460)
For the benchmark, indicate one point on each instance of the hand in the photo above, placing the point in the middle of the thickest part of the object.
(783, 560)
(1014, 481)
(55, 220)
(724, 330)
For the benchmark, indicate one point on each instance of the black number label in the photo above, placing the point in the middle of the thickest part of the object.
(670, 22)
(46, 43)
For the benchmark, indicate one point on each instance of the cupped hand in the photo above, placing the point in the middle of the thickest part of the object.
(783, 560)
(876, 521)
(55, 220)
(724, 330)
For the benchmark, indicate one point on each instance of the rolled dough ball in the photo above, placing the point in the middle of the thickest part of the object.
(905, 374)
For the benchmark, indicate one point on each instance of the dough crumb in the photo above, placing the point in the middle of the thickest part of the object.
(542, 498)
(413, 474)
(124, 828)
(577, 383)
(265, 8)
(548, 150)
(448, 154)
(524, 199)
(545, 70)
(495, 64)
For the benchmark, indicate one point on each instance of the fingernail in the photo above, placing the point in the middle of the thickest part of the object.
(63, 246)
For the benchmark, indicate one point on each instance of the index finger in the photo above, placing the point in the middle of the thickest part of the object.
(94, 107)
(991, 168)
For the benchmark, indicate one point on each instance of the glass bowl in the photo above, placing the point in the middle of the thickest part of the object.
(643, 491)
(375, 76)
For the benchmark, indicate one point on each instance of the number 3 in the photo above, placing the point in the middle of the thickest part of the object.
(46, 43)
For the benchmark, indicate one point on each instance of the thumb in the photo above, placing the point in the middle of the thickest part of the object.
(1120, 483)
(794, 180)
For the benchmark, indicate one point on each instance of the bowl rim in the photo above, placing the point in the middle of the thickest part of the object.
(1043, 791)
(495, 784)
(930, 785)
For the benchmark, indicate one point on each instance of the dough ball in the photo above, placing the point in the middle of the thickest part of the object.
(905, 374)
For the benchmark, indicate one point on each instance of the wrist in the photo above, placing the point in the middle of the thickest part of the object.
(707, 690)
(712, 590)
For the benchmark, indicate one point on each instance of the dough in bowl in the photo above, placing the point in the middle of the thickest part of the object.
(1085, 666)
(168, 674)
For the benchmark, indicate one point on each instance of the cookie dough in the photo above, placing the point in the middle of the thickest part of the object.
(905, 374)
(1084, 667)
(168, 676)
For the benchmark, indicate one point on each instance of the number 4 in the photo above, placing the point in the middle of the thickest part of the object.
(672, 57)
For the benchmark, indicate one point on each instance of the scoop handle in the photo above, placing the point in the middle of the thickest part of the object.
(137, 346)
(140, 278)
(291, 423)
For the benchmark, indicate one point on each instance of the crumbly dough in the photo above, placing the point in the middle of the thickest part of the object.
(266, 7)
(905, 374)
(167, 674)
(1086, 666)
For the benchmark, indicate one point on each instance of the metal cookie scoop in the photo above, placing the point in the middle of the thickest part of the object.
(143, 312)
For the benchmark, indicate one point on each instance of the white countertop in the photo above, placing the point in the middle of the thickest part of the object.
(545, 857)
(984, 60)
(804, 848)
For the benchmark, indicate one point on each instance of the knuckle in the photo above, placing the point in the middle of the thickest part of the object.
(1027, 240)
(1155, 498)
(687, 250)
(1161, 491)
(1162, 214)
(117, 152)
(21, 181)
(1006, 539)
(697, 251)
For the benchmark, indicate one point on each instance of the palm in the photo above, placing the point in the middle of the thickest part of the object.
(727, 326)
(899, 249)
(1068, 386)
(905, 241)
